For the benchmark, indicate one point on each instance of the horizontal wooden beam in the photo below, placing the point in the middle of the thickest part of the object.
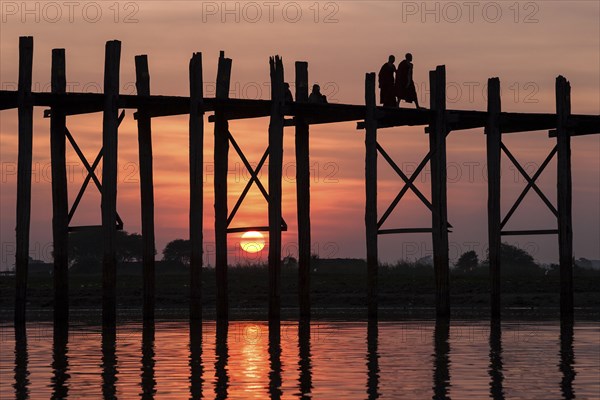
(91, 228)
(530, 232)
(403, 230)
(253, 228)
(162, 106)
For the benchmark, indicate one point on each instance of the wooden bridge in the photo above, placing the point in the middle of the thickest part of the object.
(439, 122)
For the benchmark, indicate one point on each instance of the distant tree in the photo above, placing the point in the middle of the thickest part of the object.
(85, 248)
(178, 250)
(468, 261)
(290, 261)
(516, 260)
(129, 247)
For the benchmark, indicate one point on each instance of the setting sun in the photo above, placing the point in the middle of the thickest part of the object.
(252, 242)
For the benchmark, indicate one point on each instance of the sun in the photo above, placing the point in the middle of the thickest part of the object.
(252, 242)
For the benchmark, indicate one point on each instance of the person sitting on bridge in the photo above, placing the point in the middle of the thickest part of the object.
(387, 95)
(316, 96)
(405, 86)
(288, 93)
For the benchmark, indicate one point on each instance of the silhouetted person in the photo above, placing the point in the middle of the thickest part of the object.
(288, 93)
(316, 96)
(387, 95)
(405, 86)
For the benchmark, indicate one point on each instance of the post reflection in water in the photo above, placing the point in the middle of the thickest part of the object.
(196, 369)
(441, 364)
(148, 381)
(60, 360)
(21, 370)
(275, 391)
(304, 359)
(109, 361)
(495, 370)
(373, 359)
(221, 360)
(567, 359)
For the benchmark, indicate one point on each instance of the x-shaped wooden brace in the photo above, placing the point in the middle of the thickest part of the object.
(91, 174)
(530, 183)
(408, 184)
(253, 179)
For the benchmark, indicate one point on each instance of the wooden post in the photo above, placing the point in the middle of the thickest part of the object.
(275, 381)
(196, 189)
(109, 362)
(373, 359)
(493, 140)
(109, 180)
(142, 83)
(275, 176)
(304, 363)
(371, 193)
(221, 380)
(437, 146)
(60, 360)
(60, 205)
(564, 192)
(221, 154)
(303, 193)
(148, 375)
(195, 360)
(25, 104)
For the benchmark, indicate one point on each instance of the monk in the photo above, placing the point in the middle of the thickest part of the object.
(405, 86)
(387, 95)
(316, 96)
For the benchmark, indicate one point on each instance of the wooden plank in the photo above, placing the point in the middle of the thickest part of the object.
(530, 232)
(144, 126)
(60, 205)
(303, 192)
(493, 140)
(254, 228)
(564, 193)
(437, 147)
(371, 195)
(25, 113)
(275, 176)
(161, 106)
(403, 230)
(196, 189)
(221, 161)
(109, 180)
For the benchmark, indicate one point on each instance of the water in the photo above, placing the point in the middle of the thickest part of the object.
(328, 360)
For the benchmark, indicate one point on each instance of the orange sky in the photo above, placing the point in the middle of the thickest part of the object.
(526, 44)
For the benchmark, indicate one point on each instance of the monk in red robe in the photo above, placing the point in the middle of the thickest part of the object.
(387, 95)
(405, 86)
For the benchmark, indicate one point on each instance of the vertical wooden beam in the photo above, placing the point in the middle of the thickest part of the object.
(275, 175)
(25, 104)
(195, 361)
(275, 381)
(373, 390)
(437, 145)
(196, 189)
(371, 194)
(493, 140)
(109, 180)
(564, 193)
(221, 154)
(305, 363)
(60, 205)
(142, 83)
(303, 192)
